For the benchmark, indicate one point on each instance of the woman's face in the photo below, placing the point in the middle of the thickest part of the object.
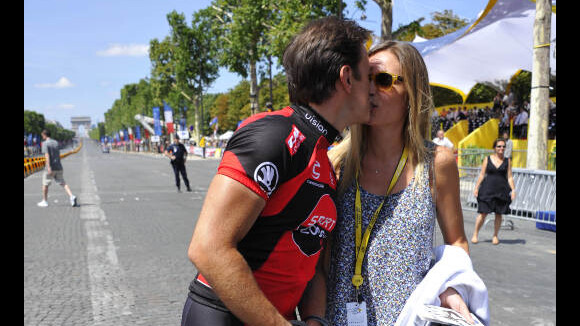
(500, 147)
(388, 106)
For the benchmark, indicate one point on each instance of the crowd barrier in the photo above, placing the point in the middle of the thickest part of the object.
(535, 195)
(35, 164)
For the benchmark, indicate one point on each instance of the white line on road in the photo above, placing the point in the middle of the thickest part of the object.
(110, 296)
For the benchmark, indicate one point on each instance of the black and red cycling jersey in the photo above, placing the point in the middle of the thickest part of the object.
(282, 157)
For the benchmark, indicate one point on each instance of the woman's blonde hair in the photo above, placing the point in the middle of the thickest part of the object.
(347, 156)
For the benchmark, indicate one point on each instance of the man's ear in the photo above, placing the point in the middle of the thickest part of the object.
(345, 78)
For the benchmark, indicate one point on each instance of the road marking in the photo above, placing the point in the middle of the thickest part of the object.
(111, 298)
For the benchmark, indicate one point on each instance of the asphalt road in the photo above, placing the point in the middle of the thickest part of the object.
(120, 258)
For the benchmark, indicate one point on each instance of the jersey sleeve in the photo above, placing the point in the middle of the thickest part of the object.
(257, 156)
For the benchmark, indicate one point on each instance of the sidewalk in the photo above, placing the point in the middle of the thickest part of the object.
(520, 272)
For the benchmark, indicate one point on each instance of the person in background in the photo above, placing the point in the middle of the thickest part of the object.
(509, 145)
(54, 170)
(270, 207)
(494, 189)
(177, 153)
(441, 140)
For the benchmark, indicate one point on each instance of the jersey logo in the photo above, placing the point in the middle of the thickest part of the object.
(294, 140)
(308, 236)
(315, 173)
(266, 175)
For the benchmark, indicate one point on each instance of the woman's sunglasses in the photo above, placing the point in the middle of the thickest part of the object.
(384, 81)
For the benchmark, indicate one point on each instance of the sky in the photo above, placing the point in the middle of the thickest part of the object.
(78, 55)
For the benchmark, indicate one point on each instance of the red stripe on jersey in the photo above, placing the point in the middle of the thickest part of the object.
(287, 111)
(231, 167)
(316, 170)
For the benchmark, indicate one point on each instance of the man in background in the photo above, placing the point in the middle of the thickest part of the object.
(178, 155)
(53, 169)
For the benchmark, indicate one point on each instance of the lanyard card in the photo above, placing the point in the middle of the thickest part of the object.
(356, 314)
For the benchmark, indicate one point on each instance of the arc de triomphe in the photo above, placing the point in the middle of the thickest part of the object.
(76, 122)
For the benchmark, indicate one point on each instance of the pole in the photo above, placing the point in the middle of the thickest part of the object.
(540, 92)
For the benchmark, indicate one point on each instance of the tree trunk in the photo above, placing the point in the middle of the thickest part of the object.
(253, 88)
(386, 19)
(540, 92)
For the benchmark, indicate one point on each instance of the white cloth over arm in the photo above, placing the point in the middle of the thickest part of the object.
(453, 268)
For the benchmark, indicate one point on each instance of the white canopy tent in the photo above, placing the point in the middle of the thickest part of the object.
(226, 135)
(495, 47)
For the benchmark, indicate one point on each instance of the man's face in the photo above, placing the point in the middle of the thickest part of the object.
(361, 109)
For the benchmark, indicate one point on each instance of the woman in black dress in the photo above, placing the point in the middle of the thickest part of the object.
(493, 189)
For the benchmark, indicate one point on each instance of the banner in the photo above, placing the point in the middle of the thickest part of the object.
(156, 121)
(137, 132)
(168, 112)
(213, 121)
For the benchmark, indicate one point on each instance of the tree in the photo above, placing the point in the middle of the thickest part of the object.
(33, 122)
(241, 29)
(251, 31)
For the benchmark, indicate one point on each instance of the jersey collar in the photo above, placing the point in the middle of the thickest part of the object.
(317, 122)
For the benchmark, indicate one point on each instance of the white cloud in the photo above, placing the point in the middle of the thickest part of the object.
(131, 50)
(62, 82)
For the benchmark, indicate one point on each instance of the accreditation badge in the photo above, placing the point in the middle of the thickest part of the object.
(356, 313)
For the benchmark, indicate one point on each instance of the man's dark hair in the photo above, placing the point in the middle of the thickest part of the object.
(46, 132)
(314, 57)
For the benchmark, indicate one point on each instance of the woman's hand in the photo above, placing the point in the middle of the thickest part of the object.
(452, 300)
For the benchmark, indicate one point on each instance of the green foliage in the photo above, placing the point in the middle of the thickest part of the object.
(481, 93)
(442, 24)
(444, 96)
(473, 155)
(33, 122)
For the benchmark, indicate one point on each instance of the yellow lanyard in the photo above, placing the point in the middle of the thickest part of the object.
(361, 246)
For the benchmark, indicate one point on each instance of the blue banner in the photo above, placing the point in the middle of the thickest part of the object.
(157, 122)
(213, 121)
(137, 132)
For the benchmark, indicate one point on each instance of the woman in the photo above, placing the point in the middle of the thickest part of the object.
(493, 187)
(400, 245)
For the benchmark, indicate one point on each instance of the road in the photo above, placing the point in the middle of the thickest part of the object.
(120, 258)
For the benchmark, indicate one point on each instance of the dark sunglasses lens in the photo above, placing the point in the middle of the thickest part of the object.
(384, 80)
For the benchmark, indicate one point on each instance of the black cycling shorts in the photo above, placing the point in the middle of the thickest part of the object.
(204, 308)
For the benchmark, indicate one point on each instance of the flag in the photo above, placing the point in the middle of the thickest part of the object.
(168, 111)
(213, 121)
(156, 121)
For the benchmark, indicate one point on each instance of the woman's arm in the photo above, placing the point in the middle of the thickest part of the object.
(480, 177)
(449, 211)
(510, 178)
(450, 218)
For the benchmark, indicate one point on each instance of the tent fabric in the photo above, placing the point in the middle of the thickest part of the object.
(493, 48)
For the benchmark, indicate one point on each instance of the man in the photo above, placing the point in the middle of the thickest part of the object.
(441, 140)
(521, 123)
(509, 145)
(178, 155)
(271, 206)
(53, 169)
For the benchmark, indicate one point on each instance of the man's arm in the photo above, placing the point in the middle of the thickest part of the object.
(47, 162)
(229, 211)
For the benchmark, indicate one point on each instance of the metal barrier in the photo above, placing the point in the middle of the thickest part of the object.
(535, 194)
